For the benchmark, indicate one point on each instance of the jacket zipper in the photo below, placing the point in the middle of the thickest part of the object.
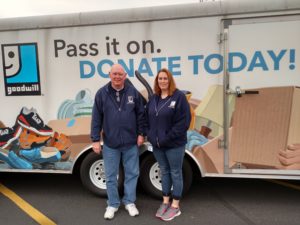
(119, 109)
(157, 142)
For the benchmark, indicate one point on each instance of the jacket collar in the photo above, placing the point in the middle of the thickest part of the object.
(106, 87)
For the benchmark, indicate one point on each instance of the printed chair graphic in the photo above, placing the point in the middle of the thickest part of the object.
(21, 69)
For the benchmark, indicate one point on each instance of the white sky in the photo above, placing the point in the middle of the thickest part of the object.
(21, 8)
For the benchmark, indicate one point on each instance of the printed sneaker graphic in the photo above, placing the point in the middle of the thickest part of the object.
(8, 135)
(21, 69)
(29, 119)
(41, 155)
(30, 144)
(29, 139)
(62, 143)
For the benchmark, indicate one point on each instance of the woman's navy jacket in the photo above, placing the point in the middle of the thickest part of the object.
(167, 126)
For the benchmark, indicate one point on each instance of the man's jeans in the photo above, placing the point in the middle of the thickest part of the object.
(170, 163)
(130, 160)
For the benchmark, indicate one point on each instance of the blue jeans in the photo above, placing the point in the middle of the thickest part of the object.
(130, 160)
(170, 163)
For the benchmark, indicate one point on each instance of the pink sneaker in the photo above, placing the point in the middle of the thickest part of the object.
(161, 210)
(171, 213)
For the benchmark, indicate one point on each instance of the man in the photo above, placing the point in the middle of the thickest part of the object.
(118, 113)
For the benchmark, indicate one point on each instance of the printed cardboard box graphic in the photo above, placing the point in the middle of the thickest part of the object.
(211, 156)
(72, 126)
(77, 129)
(264, 124)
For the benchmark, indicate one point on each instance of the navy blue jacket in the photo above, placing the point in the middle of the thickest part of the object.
(167, 126)
(120, 125)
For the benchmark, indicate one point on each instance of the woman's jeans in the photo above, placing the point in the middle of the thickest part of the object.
(170, 163)
(130, 160)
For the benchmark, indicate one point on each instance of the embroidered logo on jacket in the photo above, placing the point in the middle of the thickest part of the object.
(130, 100)
(172, 104)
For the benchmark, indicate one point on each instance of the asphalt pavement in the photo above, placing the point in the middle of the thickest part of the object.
(211, 201)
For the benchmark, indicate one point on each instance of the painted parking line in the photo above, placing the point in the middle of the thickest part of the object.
(26, 207)
(286, 184)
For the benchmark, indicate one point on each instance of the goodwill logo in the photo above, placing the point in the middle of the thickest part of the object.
(21, 69)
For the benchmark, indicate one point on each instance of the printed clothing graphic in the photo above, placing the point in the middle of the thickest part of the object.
(31, 144)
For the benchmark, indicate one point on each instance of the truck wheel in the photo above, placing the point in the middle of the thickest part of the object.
(92, 174)
(150, 177)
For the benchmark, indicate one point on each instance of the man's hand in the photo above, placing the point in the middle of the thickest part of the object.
(97, 147)
(294, 146)
(290, 157)
(140, 140)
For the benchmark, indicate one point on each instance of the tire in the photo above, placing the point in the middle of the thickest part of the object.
(92, 174)
(150, 178)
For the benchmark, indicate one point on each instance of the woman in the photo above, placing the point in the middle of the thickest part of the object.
(169, 117)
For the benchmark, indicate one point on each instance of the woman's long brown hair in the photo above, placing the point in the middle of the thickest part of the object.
(172, 84)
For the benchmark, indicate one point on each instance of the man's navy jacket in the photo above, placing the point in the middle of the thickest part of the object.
(120, 124)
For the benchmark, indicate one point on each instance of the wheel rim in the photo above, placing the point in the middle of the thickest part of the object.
(97, 174)
(155, 176)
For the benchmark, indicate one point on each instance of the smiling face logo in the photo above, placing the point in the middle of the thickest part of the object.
(21, 69)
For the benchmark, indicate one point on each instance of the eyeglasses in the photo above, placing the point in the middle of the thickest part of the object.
(118, 96)
(118, 74)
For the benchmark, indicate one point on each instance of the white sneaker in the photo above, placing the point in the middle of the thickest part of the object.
(110, 212)
(132, 210)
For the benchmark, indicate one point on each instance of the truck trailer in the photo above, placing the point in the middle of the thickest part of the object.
(236, 61)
